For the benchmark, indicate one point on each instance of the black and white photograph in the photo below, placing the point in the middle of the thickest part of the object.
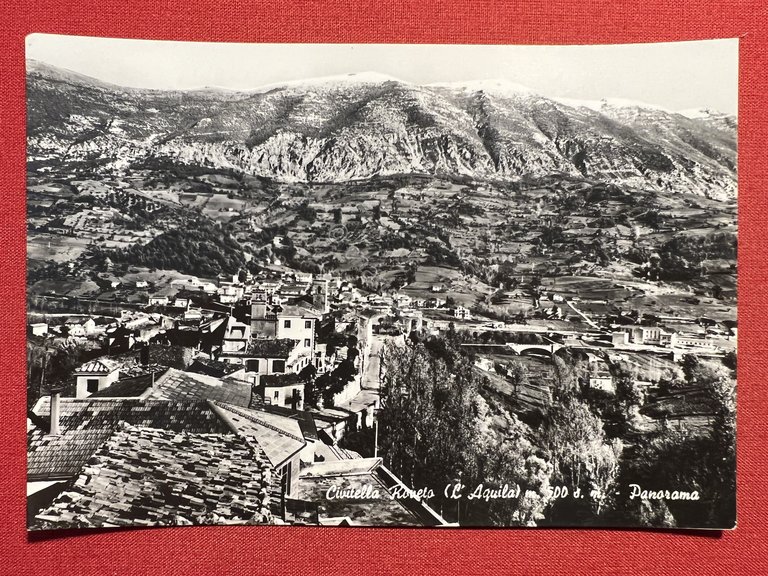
(390, 285)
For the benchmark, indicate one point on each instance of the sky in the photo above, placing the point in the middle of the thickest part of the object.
(674, 75)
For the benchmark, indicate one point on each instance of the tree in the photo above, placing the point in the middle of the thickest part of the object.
(565, 375)
(517, 375)
(505, 456)
(307, 375)
(574, 441)
(701, 460)
(435, 427)
(427, 416)
(628, 395)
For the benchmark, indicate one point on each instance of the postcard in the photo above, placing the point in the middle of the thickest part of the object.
(381, 285)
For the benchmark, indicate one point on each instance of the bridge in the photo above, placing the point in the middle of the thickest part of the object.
(549, 349)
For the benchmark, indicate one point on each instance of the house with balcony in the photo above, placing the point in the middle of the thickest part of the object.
(267, 356)
(285, 321)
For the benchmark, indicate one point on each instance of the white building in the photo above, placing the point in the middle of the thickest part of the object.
(462, 313)
(80, 327)
(297, 323)
(94, 376)
(38, 329)
(652, 335)
(285, 390)
(236, 336)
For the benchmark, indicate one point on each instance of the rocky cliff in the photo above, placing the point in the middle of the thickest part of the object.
(358, 126)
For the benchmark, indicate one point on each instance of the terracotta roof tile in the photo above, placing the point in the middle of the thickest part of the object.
(184, 386)
(151, 477)
(278, 436)
(86, 423)
(271, 348)
(98, 366)
(130, 387)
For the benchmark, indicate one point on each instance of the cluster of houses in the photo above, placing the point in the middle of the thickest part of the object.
(202, 418)
(193, 410)
(658, 336)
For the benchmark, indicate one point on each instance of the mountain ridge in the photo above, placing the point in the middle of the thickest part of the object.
(359, 126)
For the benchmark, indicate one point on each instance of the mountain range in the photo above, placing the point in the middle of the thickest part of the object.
(363, 125)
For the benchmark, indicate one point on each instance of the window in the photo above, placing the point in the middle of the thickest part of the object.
(308, 324)
(287, 324)
(278, 366)
(252, 365)
(277, 394)
(307, 342)
(92, 384)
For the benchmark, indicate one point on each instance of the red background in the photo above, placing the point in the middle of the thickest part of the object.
(274, 550)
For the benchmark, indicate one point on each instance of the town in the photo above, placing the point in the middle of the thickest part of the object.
(248, 354)
(239, 303)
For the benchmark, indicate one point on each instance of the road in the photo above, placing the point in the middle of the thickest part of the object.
(369, 382)
(584, 316)
(373, 363)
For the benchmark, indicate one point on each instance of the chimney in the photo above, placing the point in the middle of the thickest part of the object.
(258, 309)
(55, 411)
(145, 355)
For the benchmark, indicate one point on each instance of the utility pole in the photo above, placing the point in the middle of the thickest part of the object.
(375, 434)
(376, 431)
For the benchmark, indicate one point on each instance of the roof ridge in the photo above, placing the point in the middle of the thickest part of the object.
(252, 418)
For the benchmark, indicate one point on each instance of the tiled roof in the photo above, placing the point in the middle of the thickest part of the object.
(278, 436)
(271, 348)
(288, 379)
(305, 419)
(355, 474)
(98, 366)
(86, 423)
(214, 368)
(58, 457)
(173, 356)
(130, 387)
(133, 370)
(303, 310)
(152, 477)
(176, 385)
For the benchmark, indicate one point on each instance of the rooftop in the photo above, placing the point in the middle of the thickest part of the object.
(376, 508)
(132, 387)
(151, 477)
(172, 356)
(98, 366)
(305, 418)
(85, 423)
(301, 310)
(180, 386)
(271, 348)
(213, 368)
(278, 436)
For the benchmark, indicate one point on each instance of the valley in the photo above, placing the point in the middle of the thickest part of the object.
(544, 263)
